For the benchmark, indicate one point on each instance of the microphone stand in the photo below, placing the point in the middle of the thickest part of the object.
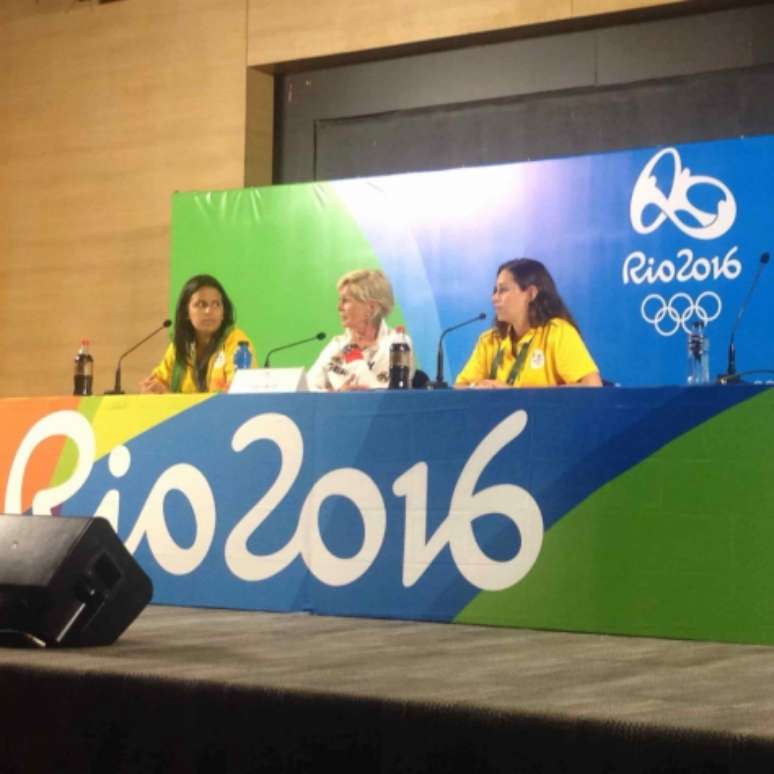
(317, 337)
(117, 383)
(439, 383)
(731, 376)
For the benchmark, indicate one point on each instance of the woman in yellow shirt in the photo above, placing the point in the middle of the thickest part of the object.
(535, 341)
(200, 357)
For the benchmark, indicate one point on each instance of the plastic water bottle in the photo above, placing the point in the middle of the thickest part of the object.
(698, 355)
(400, 360)
(83, 374)
(242, 357)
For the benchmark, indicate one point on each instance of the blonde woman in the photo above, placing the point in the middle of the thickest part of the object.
(359, 358)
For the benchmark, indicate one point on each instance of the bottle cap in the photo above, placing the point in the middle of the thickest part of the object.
(400, 329)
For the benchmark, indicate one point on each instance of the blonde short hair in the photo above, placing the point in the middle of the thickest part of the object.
(369, 285)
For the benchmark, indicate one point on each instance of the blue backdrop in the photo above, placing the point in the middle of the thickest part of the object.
(640, 242)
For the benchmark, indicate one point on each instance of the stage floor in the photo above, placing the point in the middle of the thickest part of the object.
(665, 684)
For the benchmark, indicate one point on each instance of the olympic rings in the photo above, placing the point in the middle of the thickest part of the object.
(679, 310)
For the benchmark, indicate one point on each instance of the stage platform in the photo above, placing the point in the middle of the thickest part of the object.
(214, 690)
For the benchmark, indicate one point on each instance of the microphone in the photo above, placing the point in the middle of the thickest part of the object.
(731, 376)
(439, 383)
(317, 337)
(117, 384)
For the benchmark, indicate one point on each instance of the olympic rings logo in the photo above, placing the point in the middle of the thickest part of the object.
(667, 317)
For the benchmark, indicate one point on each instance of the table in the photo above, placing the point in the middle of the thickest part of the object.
(634, 511)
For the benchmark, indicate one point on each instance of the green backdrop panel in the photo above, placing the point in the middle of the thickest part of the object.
(278, 252)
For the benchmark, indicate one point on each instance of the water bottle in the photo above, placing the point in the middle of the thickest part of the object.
(400, 360)
(698, 355)
(83, 374)
(242, 357)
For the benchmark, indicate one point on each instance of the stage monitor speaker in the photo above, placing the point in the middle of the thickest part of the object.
(67, 581)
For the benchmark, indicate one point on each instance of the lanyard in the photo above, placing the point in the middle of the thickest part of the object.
(200, 372)
(517, 365)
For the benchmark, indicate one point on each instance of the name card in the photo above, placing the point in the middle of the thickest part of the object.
(254, 380)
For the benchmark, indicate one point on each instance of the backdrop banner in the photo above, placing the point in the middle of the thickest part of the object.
(641, 511)
(641, 243)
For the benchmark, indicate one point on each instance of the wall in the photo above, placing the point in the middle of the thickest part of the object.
(282, 32)
(560, 94)
(108, 110)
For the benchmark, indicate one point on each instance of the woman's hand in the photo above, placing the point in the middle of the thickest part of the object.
(590, 380)
(482, 384)
(351, 386)
(490, 384)
(153, 386)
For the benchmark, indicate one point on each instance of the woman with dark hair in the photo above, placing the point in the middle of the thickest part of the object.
(200, 357)
(535, 341)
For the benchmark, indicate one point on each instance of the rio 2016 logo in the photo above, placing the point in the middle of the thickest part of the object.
(650, 207)
(469, 502)
(676, 205)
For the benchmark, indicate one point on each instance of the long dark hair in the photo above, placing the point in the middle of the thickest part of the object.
(547, 304)
(184, 332)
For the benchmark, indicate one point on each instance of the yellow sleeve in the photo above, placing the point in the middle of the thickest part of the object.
(572, 358)
(163, 371)
(480, 361)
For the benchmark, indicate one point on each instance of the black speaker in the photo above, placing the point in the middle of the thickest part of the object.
(67, 581)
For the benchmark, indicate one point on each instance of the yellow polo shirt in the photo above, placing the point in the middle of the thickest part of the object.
(555, 355)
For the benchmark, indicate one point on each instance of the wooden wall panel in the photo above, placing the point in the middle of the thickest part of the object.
(283, 32)
(106, 111)
(259, 142)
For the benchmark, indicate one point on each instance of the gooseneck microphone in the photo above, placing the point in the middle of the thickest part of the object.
(439, 383)
(317, 337)
(731, 376)
(117, 383)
